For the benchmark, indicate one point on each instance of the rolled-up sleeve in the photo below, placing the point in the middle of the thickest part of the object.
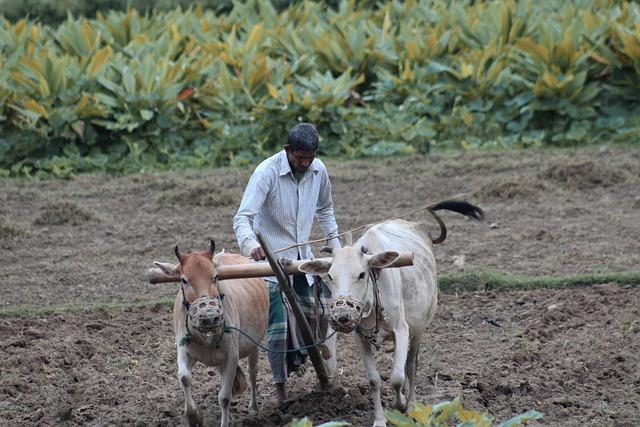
(324, 211)
(252, 200)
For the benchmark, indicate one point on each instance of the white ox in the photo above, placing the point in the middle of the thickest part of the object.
(204, 307)
(392, 303)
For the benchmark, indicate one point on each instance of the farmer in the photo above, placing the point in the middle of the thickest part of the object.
(284, 194)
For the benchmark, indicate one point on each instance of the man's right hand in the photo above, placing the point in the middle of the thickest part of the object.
(258, 254)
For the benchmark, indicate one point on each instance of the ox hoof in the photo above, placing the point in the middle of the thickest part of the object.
(401, 404)
(194, 419)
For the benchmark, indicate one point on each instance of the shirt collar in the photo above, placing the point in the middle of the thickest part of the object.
(285, 168)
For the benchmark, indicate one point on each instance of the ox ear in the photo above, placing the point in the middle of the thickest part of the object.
(383, 259)
(168, 269)
(315, 267)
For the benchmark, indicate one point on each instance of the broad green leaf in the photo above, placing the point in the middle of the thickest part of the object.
(522, 419)
(146, 114)
(98, 61)
(33, 106)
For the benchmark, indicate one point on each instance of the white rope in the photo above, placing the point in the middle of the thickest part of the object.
(429, 206)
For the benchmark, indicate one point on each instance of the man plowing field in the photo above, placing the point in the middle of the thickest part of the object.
(284, 195)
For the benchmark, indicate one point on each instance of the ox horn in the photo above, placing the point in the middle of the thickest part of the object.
(212, 247)
(326, 249)
(348, 239)
(177, 251)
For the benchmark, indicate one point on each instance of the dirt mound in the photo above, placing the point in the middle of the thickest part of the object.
(581, 173)
(200, 195)
(10, 231)
(506, 188)
(59, 213)
(307, 405)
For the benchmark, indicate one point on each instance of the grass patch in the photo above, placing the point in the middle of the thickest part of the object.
(9, 230)
(32, 311)
(488, 281)
(449, 283)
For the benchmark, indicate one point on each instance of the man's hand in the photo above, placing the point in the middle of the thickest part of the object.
(258, 254)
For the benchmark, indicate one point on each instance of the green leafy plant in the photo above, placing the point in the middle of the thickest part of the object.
(139, 89)
(442, 413)
(437, 415)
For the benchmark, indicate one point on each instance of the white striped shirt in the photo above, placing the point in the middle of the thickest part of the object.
(282, 208)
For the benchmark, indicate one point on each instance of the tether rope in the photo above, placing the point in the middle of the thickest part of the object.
(430, 205)
(269, 350)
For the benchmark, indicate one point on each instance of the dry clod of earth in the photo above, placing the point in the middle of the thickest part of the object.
(59, 213)
(10, 231)
(513, 187)
(582, 173)
(199, 195)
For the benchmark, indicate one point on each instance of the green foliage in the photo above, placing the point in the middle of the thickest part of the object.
(129, 90)
(437, 415)
(499, 281)
(443, 413)
(55, 11)
(305, 422)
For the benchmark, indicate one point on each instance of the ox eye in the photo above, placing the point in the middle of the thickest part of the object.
(329, 277)
(361, 276)
(184, 281)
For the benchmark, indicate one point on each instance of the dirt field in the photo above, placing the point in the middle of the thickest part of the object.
(571, 354)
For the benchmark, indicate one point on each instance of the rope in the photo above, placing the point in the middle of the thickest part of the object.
(429, 206)
(367, 333)
(229, 328)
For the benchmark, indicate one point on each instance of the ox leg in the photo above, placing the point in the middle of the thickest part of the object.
(253, 375)
(399, 363)
(332, 363)
(374, 380)
(228, 373)
(185, 367)
(412, 367)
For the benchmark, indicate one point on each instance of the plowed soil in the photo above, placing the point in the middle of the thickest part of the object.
(572, 354)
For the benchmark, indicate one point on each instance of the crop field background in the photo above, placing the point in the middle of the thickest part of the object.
(132, 90)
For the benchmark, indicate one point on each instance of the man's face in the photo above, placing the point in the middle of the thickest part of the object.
(299, 160)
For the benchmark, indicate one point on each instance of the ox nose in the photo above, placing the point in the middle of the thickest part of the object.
(210, 320)
(343, 320)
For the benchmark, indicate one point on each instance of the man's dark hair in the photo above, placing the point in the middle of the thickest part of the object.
(303, 137)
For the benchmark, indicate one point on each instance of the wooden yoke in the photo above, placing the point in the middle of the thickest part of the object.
(261, 269)
(285, 286)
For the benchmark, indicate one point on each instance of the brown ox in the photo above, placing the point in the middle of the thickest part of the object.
(203, 310)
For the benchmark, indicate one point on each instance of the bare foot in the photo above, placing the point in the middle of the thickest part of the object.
(302, 369)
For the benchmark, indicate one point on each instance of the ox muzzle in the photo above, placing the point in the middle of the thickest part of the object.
(206, 315)
(345, 314)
